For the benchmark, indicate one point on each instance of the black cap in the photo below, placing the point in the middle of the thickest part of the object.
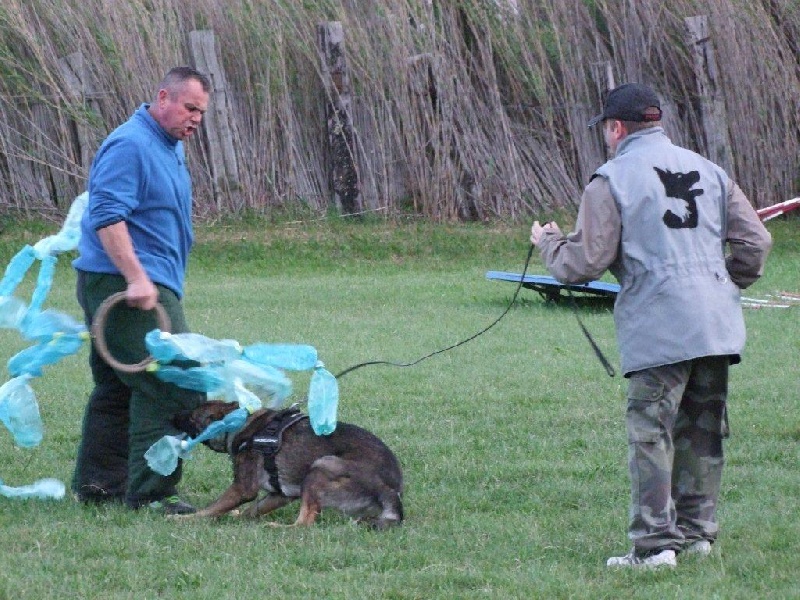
(628, 102)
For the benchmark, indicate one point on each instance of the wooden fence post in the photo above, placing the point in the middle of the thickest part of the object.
(341, 137)
(218, 122)
(712, 105)
(81, 85)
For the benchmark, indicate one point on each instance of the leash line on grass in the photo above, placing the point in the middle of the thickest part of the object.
(597, 351)
(469, 339)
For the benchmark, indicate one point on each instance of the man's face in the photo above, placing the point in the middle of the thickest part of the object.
(181, 111)
(613, 134)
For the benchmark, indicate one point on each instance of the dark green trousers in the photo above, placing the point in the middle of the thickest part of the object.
(126, 413)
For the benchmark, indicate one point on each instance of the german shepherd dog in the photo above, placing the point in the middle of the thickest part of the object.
(277, 451)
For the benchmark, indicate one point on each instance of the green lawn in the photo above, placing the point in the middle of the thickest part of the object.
(513, 445)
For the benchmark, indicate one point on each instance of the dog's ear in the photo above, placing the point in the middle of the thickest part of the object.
(194, 422)
(184, 421)
(216, 410)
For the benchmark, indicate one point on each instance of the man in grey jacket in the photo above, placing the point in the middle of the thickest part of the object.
(661, 218)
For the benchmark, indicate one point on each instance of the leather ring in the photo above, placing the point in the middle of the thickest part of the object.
(99, 336)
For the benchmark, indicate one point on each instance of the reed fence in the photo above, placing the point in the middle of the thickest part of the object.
(470, 109)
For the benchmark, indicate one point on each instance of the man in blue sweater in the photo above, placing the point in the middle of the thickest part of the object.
(136, 234)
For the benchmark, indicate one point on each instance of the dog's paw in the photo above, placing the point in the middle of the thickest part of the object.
(181, 517)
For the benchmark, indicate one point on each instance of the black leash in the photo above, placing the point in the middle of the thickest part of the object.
(598, 352)
(472, 337)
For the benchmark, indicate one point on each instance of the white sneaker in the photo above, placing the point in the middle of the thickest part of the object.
(665, 558)
(698, 547)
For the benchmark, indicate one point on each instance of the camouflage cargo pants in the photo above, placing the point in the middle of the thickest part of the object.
(676, 421)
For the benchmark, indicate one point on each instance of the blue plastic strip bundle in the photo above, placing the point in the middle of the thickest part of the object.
(19, 412)
(323, 401)
(31, 360)
(226, 369)
(69, 235)
(162, 457)
(47, 324)
(43, 284)
(282, 356)
(199, 379)
(16, 270)
(226, 362)
(237, 374)
(43, 489)
(266, 382)
(166, 347)
(56, 335)
(12, 311)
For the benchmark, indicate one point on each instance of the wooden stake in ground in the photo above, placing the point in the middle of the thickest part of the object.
(341, 139)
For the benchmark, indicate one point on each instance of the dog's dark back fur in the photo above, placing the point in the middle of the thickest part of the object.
(347, 441)
(368, 464)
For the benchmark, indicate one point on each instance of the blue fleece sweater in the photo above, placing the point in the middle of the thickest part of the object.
(139, 176)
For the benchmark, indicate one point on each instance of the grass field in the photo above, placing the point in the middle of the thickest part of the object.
(513, 445)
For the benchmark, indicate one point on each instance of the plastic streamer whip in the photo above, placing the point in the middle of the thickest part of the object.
(55, 334)
(236, 374)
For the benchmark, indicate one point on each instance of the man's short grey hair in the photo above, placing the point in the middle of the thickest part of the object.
(178, 75)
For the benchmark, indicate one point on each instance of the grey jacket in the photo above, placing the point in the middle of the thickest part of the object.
(662, 218)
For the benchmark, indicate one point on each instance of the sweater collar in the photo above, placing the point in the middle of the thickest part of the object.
(153, 125)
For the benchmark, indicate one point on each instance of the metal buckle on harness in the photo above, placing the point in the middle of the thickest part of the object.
(268, 441)
(265, 440)
(268, 446)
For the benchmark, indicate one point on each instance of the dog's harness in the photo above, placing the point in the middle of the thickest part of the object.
(268, 440)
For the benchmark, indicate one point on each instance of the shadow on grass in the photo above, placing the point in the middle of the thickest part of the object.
(587, 303)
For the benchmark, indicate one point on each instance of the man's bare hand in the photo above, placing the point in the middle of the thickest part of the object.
(142, 293)
(538, 230)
